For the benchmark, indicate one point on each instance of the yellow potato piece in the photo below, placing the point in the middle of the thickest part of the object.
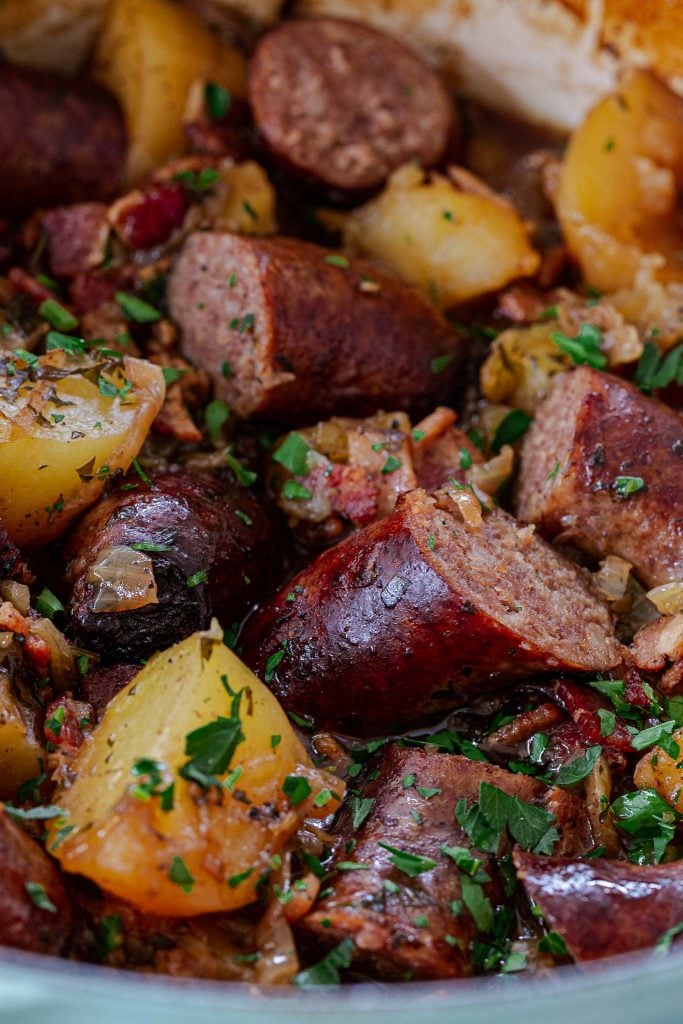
(454, 245)
(617, 198)
(246, 200)
(134, 848)
(658, 770)
(149, 54)
(61, 438)
(20, 750)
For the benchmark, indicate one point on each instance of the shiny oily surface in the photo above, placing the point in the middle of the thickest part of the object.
(631, 990)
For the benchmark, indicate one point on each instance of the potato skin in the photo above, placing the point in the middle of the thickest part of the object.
(600, 907)
(322, 345)
(387, 941)
(61, 141)
(608, 429)
(377, 640)
(23, 925)
(196, 516)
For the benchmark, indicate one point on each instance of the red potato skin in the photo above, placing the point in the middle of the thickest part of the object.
(387, 941)
(613, 431)
(196, 516)
(23, 925)
(330, 347)
(602, 908)
(376, 641)
(61, 141)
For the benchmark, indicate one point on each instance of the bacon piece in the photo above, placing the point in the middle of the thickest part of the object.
(67, 722)
(145, 219)
(76, 237)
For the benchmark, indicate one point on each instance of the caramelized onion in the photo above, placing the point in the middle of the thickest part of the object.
(124, 580)
(18, 594)
(274, 939)
(491, 476)
(469, 507)
(667, 599)
(612, 579)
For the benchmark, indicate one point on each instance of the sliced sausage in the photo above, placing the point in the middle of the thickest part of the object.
(607, 474)
(290, 336)
(61, 141)
(35, 912)
(602, 907)
(406, 925)
(343, 105)
(211, 549)
(414, 614)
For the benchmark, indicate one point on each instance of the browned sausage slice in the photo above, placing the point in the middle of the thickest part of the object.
(415, 613)
(29, 885)
(602, 466)
(403, 924)
(208, 548)
(290, 334)
(344, 105)
(61, 141)
(602, 907)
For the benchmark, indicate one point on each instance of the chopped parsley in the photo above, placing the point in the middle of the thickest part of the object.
(136, 309)
(216, 415)
(577, 768)
(412, 864)
(584, 348)
(211, 747)
(391, 465)
(659, 735)
(196, 578)
(292, 490)
(296, 788)
(218, 100)
(180, 875)
(465, 458)
(39, 897)
(510, 429)
(336, 260)
(326, 971)
(655, 371)
(172, 374)
(293, 454)
(625, 486)
(360, 809)
(47, 604)
(245, 477)
(439, 363)
(57, 316)
(552, 943)
(664, 942)
(649, 821)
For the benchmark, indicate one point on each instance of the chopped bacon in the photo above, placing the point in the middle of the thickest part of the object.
(353, 494)
(145, 219)
(584, 730)
(12, 620)
(38, 654)
(23, 282)
(89, 290)
(67, 722)
(76, 237)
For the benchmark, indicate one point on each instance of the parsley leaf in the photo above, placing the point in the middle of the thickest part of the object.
(412, 864)
(655, 371)
(577, 768)
(584, 348)
(211, 747)
(510, 429)
(136, 309)
(293, 454)
(649, 821)
(529, 826)
(326, 971)
(180, 874)
(39, 897)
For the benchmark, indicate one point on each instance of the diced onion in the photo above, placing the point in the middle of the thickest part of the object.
(612, 578)
(124, 580)
(18, 594)
(491, 476)
(469, 507)
(667, 599)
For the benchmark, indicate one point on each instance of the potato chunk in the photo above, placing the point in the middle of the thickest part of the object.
(618, 192)
(209, 850)
(20, 749)
(61, 437)
(149, 54)
(455, 245)
(658, 770)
